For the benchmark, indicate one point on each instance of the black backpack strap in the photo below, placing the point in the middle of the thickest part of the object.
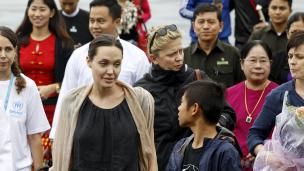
(225, 134)
(198, 74)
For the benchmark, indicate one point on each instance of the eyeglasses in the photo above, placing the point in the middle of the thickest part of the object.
(255, 61)
(162, 32)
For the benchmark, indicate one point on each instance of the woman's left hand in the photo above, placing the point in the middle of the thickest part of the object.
(46, 90)
(247, 162)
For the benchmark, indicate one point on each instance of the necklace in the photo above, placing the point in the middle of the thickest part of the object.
(249, 114)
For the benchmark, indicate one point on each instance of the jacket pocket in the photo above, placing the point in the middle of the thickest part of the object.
(224, 74)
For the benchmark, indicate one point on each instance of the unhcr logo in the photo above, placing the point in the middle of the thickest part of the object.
(16, 108)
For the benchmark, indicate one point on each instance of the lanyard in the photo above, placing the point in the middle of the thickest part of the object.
(8, 91)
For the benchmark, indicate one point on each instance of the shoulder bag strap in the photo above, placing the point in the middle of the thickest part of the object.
(198, 74)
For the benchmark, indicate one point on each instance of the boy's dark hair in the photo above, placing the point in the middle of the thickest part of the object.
(288, 1)
(298, 16)
(296, 40)
(113, 6)
(204, 7)
(209, 95)
(103, 40)
(249, 45)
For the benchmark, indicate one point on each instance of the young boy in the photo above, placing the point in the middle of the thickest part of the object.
(205, 150)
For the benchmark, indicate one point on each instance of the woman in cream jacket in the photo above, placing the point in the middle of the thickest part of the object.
(107, 125)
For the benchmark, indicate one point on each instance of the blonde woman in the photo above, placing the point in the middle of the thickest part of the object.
(165, 81)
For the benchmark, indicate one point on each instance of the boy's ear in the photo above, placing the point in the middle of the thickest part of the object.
(195, 109)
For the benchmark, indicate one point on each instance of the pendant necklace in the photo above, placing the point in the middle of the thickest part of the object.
(249, 114)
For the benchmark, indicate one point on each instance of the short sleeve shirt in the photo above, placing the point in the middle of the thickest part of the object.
(26, 117)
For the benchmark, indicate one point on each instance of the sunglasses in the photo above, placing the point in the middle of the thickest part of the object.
(162, 32)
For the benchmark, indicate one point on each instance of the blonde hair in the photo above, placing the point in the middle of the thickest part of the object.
(160, 42)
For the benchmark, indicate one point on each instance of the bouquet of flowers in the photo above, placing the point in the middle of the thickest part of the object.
(285, 151)
(128, 18)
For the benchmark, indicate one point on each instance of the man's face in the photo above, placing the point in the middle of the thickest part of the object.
(207, 26)
(101, 21)
(279, 11)
(68, 6)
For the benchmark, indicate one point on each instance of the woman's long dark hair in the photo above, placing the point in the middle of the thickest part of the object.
(56, 26)
(10, 35)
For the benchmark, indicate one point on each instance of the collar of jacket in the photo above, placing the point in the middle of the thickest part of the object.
(271, 28)
(168, 77)
(222, 133)
(195, 46)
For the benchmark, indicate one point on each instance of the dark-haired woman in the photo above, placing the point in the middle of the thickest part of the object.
(44, 49)
(22, 115)
(107, 125)
(293, 90)
(248, 97)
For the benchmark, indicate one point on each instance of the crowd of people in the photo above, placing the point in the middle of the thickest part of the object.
(95, 90)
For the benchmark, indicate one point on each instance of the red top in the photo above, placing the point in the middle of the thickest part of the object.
(235, 97)
(38, 60)
(145, 14)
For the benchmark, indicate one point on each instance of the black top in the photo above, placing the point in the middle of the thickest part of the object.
(78, 27)
(192, 158)
(268, 35)
(279, 68)
(245, 18)
(221, 65)
(105, 139)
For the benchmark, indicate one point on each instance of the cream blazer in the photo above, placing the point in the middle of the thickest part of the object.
(141, 105)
